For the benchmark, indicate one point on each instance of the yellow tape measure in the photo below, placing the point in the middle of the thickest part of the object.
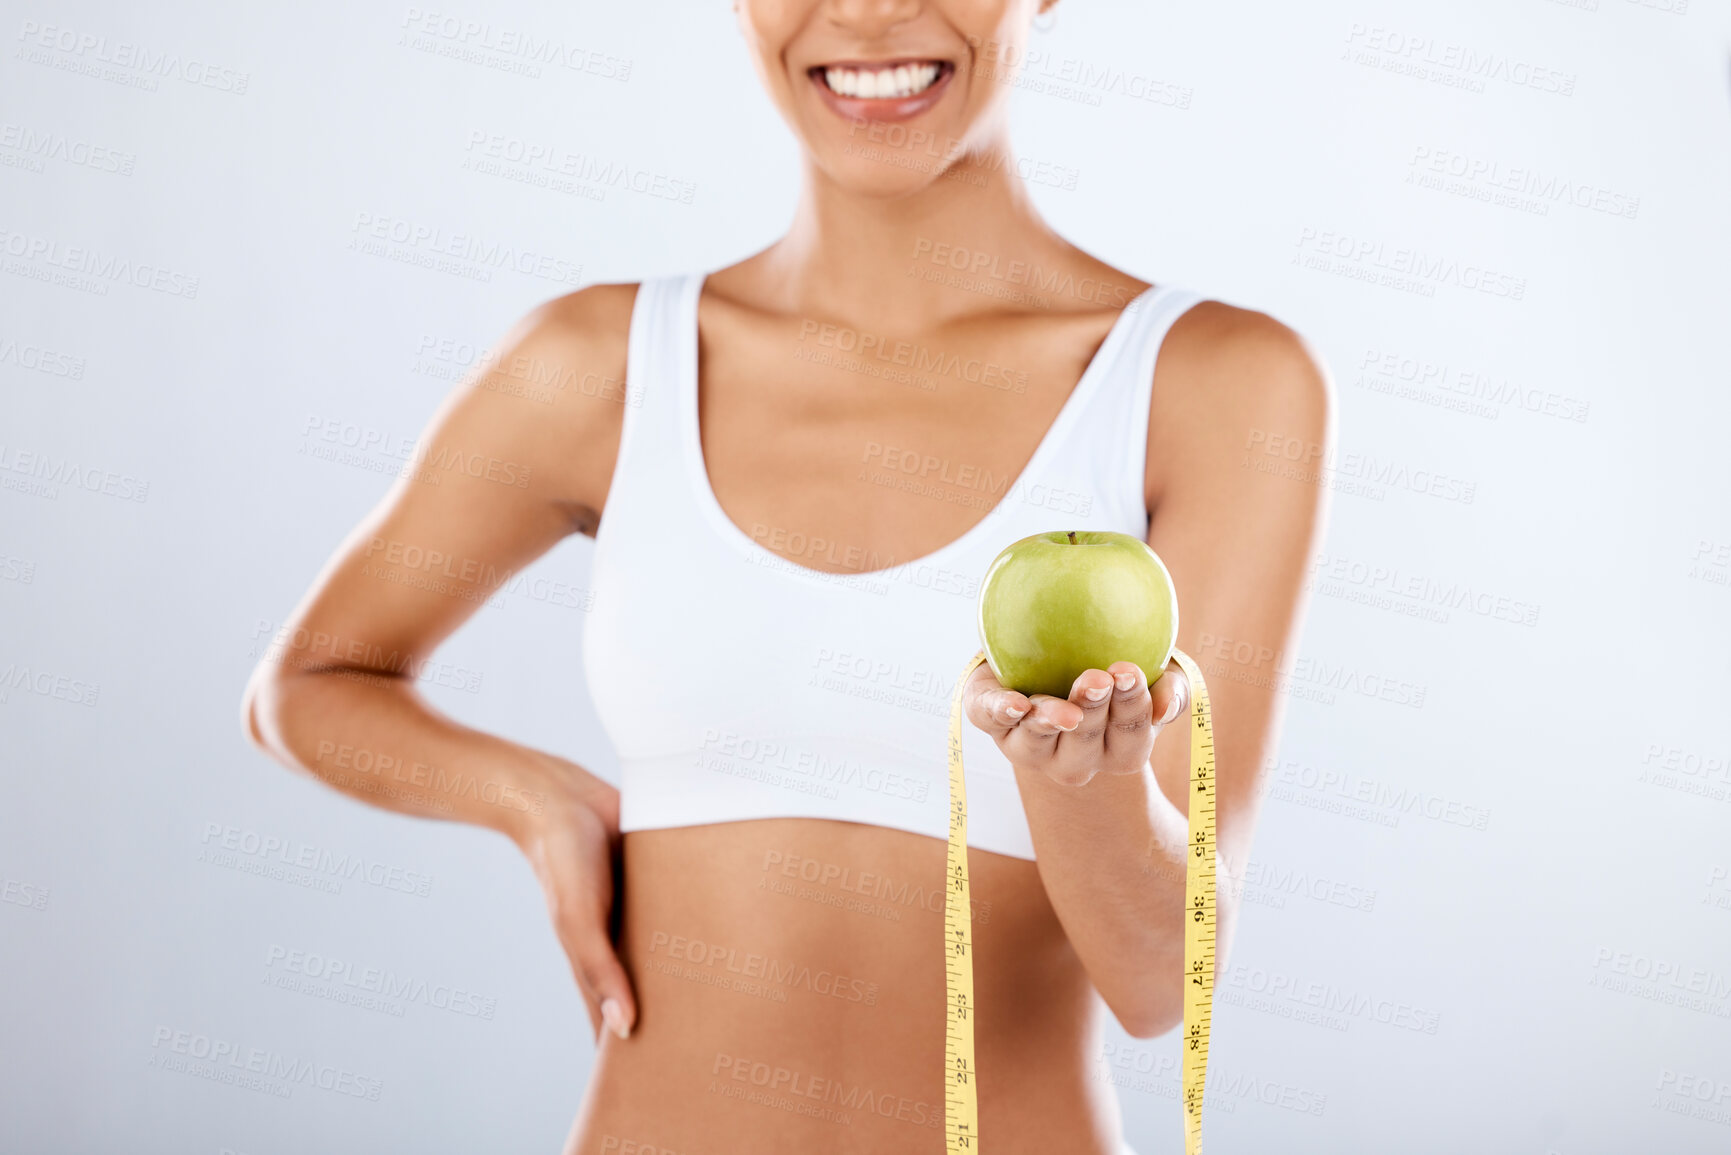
(961, 1096)
(1199, 923)
(961, 1100)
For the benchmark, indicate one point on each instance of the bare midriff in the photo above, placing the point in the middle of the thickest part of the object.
(790, 985)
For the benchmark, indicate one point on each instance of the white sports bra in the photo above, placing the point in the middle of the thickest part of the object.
(801, 693)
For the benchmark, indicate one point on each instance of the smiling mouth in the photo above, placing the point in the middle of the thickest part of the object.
(882, 81)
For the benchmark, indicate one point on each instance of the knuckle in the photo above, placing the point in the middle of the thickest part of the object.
(595, 963)
(586, 983)
(566, 912)
(1037, 740)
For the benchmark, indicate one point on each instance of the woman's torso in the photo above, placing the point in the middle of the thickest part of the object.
(784, 596)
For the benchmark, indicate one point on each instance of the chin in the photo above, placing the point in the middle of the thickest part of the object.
(883, 128)
(882, 173)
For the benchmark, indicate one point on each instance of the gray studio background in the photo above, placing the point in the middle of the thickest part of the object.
(1491, 902)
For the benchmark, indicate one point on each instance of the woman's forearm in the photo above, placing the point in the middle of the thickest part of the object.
(1112, 856)
(375, 738)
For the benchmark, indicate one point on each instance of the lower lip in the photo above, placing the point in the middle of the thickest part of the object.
(854, 108)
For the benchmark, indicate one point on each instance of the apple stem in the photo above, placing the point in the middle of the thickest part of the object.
(1072, 537)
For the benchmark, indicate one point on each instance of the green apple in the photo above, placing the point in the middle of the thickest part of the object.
(1057, 604)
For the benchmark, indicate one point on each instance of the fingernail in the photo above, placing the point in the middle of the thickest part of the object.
(614, 1016)
(1094, 694)
(1015, 711)
(1125, 681)
(1172, 709)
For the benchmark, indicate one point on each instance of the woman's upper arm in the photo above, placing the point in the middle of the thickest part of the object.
(1240, 428)
(518, 457)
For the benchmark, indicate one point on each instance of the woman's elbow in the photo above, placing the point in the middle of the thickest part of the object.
(258, 706)
(1156, 1005)
(1150, 1013)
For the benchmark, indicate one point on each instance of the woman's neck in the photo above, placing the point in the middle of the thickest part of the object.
(908, 260)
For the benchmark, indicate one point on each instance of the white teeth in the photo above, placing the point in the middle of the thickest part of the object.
(886, 83)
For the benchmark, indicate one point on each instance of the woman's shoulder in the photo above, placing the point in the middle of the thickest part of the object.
(568, 351)
(1233, 345)
(594, 320)
(578, 341)
(1232, 360)
(551, 394)
(599, 313)
(1232, 381)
